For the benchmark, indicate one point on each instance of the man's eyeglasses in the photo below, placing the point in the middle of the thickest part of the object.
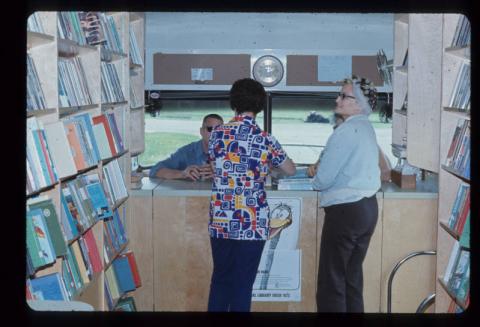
(343, 96)
(210, 128)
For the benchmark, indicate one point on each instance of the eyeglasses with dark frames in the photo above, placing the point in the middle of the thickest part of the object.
(343, 96)
(210, 128)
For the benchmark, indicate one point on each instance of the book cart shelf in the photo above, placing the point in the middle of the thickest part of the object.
(453, 242)
(109, 85)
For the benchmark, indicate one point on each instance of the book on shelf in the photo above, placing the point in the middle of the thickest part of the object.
(49, 213)
(75, 146)
(462, 33)
(113, 181)
(461, 91)
(69, 27)
(462, 215)
(451, 262)
(49, 287)
(124, 275)
(112, 121)
(73, 268)
(97, 196)
(465, 235)
(458, 204)
(133, 266)
(454, 307)
(39, 242)
(111, 281)
(92, 249)
(81, 262)
(60, 150)
(34, 23)
(69, 216)
(459, 150)
(102, 120)
(73, 83)
(35, 95)
(92, 27)
(458, 283)
(42, 169)
(72, 206)
(113, 41)
(126, 304)
(135, 56)
(111, 86)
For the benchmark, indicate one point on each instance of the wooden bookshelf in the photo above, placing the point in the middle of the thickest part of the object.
(47, 50)
(449, 179)
(456, 173)
(449, 230)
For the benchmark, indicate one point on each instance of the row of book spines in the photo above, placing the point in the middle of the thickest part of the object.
(456, 277)
(62, 149)
(114, 182)
(114, 237)
(461, 36)
(460, 213)
(78, 267)
(135, 56)
(35, 96)
(121, 277)
(111, 86)
(89, 28)
(34, 23)
(72, 83)
(41, 171)
(458, 155)
(460, 98)
(83, 202)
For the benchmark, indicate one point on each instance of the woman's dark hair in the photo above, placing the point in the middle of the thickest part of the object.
(247, 95)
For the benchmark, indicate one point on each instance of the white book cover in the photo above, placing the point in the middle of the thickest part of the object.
(60, 149)
(102, 141)
(32, 125)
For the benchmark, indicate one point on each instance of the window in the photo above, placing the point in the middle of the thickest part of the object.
(300, 122)
(177, 122)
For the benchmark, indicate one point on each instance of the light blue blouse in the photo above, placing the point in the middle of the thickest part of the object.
(349, 167)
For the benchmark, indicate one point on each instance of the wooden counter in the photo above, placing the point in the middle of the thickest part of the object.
(172, 244)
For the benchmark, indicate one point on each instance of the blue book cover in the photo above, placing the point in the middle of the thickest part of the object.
(50, 287)
(116, 133)
(88, 124)
(124, 275)
(120, 231)
(43, 163)
(71, 228)
(99, 200)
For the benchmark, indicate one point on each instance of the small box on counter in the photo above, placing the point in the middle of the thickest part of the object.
(403, 181)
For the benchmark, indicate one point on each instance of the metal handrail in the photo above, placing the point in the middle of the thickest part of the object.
(394, 270)
(426, 303)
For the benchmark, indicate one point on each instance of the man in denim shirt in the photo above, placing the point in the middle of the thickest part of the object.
(189, 161)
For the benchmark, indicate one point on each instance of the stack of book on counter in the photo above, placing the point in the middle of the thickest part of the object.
(299, 181)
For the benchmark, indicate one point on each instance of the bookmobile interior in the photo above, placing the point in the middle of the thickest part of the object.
(111, 93)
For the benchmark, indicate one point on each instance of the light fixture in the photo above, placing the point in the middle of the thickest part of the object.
(268, 70)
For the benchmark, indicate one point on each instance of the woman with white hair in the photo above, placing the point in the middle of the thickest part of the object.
(348, 178)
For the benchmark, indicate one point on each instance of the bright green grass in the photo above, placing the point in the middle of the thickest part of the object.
(160, 145)
(281, 115)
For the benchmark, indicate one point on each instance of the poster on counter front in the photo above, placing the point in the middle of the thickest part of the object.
(279, 272)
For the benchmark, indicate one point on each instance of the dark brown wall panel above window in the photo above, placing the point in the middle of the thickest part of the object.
(302, 70)
(177, 68)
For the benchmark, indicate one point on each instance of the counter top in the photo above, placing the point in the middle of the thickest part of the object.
(162, 187)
